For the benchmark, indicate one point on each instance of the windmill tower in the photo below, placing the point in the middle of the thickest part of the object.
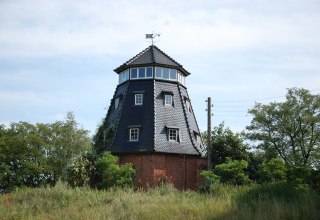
(150, 122)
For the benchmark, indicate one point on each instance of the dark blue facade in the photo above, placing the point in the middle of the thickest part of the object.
(163, 128)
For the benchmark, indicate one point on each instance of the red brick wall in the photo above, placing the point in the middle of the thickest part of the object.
(180, 170)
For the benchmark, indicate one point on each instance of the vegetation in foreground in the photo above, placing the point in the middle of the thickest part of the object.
(222, 202)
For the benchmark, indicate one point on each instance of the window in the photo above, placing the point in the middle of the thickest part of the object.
(138, 99)
(149, 72)
(173, 134)
(134, 73)
(188, 105)
(142, 72)
(123, 76)
(116, 103)
(134, 134)
(165, 73)
(158, 72)
(168, 100)
(173, 74)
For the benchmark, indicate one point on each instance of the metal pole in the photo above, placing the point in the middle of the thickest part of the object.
(209, 135)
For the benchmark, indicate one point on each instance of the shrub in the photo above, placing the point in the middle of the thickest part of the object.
(81, 171)
(274, 170)
(232, 172)
(111, 174)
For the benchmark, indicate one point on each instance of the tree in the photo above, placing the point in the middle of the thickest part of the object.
(290, 129)
(225, 143)
(22, 161)
(34, 155)
(64, 142)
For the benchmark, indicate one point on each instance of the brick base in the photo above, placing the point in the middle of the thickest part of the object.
(183, 171)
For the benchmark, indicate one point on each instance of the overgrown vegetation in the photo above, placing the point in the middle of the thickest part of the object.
(278, 179)
(164, 202)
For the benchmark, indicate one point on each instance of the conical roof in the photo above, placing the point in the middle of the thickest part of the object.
(152, 55)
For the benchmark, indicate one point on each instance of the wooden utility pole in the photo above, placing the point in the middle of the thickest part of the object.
(209, 134)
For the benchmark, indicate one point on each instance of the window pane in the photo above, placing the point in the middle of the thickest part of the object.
(134, 73)
(158, 72)
(126, 75)
(149, 72)
(142, 72)
(173, 74)
(165, 73)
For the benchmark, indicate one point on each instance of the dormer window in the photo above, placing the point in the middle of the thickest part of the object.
(173, 133)
(134, 134)
(138, 99)
(168, 99)
(116, 103)
(188, 104)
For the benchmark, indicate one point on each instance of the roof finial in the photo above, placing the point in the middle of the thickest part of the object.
(152, 36)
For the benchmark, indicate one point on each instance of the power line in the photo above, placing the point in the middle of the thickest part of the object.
(258, 99)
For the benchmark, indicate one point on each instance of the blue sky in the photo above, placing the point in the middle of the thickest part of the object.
(58, 56)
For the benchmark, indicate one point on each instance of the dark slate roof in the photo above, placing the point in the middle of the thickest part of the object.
(152, 55)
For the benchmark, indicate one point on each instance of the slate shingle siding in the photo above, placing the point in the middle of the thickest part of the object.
(170, 116)
(133, 115)
(153, 117)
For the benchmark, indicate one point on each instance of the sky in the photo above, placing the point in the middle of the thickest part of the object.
(58, 56)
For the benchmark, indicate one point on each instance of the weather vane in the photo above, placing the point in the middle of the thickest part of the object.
(152, 36)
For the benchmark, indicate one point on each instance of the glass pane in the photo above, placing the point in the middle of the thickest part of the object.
(173, 74)
(165, 73)
(149, 72)
(142, 72)
(158, 72)
(126, 75)
(134, 73)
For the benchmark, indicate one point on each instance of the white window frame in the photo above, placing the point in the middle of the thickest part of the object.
(136, 99)
(173, 134)
(165, 100)
(134, 134)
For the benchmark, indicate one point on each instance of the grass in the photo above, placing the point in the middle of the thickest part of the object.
(223, 202)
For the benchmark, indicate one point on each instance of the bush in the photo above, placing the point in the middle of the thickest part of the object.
(82, 171)
(274, 170)
(210, 179)
(232, 172)
(111, 174)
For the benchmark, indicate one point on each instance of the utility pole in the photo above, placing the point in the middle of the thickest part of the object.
(209, 134)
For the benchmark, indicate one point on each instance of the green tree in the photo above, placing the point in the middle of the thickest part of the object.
(110, 173)
(232, 172)
(22, 161)
(64, 142)
(34, 155)
(225, 143)
(290, 129)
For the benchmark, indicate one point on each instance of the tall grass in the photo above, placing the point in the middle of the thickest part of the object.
(164, 202)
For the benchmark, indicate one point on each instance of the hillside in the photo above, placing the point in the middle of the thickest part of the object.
(224, 202)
